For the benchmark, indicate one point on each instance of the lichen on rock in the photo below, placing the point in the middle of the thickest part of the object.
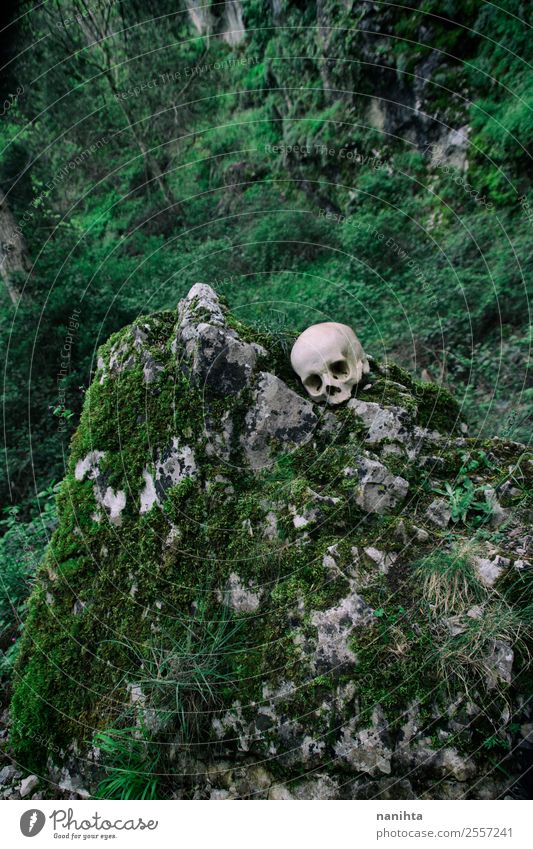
(289, 576)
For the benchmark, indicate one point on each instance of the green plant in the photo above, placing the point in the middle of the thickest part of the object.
(495, 742)
(131, 759)
(463, 499)
(62, 413)
(282, 471)
(464, 496)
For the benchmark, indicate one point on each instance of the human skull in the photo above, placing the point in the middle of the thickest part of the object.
(329, 360)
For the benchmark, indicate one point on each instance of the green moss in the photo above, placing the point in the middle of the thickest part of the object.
(437, 409)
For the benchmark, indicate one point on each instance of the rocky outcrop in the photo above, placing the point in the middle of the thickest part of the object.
(225, 19)
(277, 415)
(376, 489)
(298, 579)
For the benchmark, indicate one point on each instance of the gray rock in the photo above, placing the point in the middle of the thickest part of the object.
(411, 725)
(256, 781)
(27, 785)
(112, 501)
(221, 795)
(277, 414)
(151, 368)
(377, 490)
(172, 466)
(89, 466)
(219, 361)
(121, 359)
(366, 750)
(200, 305)
(9, 773)
(390, 789)
(319, 787)
(73, 785)
(271, 530)
(219, 433)
(220, 773)
(78, 607)
(382, 422)
(334, 628)
(498, 514)
(384, 560)
(455, 625)
(422, 758)
(297, 749)
(240, 597)
(439, 513)
(407, 533)
(488, 571)
(326, 500)
(310, 515)
(11, 794)
(304, 518)
(232, 723)
(280, 793)
(450, 763)
(499, 664)
(451, 148)
(139, 337)
(313, 564)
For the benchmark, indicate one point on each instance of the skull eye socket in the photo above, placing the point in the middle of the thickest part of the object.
(313, 383)
(340, 369)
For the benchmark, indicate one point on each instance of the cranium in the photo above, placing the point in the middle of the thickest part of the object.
(329, 360)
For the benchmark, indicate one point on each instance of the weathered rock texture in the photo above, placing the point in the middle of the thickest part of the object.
(284, 599)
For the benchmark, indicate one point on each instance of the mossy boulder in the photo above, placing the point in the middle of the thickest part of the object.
(240, 575)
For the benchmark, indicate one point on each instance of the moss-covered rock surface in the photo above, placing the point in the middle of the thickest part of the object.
(252, 595)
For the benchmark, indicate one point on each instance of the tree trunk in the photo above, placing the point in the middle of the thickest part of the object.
(150, 161)
(14, 255)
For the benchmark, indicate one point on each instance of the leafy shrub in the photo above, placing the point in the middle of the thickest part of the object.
(21, 549)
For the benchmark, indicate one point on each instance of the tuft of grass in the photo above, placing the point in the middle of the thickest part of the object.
(449, 583)
(282, 471)
(179, 682)
(182, 679)
(467, 657)
(449, 589)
